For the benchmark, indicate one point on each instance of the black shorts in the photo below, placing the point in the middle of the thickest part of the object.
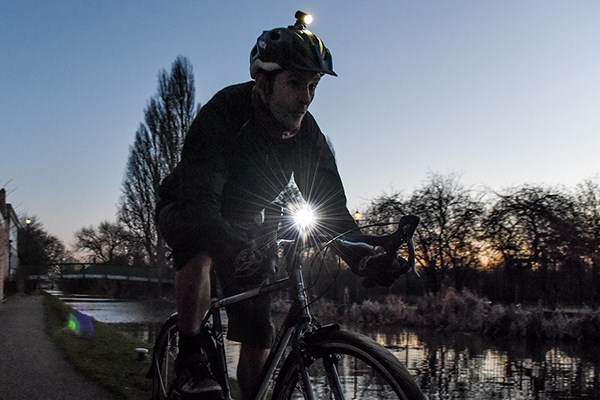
(249, 321)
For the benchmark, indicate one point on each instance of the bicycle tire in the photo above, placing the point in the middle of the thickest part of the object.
(165, 351)
(366, 370)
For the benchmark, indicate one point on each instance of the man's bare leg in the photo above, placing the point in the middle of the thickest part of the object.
(192, 293)
(193, 378)
(250, 364)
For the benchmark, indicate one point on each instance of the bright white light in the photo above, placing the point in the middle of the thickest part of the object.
(308, 19)
(304, 217)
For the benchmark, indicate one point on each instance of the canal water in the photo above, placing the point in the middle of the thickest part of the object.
(446, 366)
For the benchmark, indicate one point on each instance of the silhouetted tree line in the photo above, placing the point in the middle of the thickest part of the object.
(530, 243)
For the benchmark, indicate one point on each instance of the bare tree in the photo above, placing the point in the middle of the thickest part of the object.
(587, 203)
(108, 243)
(155, 152)
(536, 226)
(447, 237)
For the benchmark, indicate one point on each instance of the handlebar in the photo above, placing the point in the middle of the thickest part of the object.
(392, 242)
(360, 243)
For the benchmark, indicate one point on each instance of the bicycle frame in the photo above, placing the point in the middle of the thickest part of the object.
(296, 324)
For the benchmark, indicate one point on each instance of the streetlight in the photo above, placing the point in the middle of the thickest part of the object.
(26, 245)
(24, 258)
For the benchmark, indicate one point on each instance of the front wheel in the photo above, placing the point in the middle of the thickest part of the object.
(346, 365)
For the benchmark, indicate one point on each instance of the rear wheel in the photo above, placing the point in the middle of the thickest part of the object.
(346, 365)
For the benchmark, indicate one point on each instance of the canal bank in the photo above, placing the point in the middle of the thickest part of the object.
(31, 366)
(462, 365)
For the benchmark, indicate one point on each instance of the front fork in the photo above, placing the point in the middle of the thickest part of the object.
(330, 362)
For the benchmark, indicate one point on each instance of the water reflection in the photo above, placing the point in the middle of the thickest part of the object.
(463, 366)
(446, 366)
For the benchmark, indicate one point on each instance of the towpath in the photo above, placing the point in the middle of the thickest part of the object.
(31, 367)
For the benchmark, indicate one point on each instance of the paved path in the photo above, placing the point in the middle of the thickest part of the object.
(31, 367)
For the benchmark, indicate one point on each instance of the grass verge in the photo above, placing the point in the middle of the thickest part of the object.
(98, 351)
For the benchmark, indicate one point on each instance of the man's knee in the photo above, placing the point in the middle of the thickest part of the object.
(200, 261)
(195, 272)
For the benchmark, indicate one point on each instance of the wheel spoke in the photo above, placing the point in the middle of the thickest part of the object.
(163, 360)
(348, 366)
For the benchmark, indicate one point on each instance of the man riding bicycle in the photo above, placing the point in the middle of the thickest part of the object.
(241, 151)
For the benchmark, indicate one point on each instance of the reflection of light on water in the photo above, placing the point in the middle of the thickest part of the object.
(558, 357)
(561, 361)
(233, 354)
(124, 311)
(491, 363)
(405, 345)
(446, 367)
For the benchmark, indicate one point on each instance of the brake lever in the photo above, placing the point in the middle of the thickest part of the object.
(408, 225)
(411, 256)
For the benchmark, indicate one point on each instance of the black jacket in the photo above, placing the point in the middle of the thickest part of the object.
(230, 170)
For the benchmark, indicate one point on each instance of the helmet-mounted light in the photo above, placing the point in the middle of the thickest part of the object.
(302, 19)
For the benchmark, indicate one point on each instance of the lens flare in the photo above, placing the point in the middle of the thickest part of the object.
(80, 324)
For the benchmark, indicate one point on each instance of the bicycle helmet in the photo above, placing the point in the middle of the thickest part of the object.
(291, 48)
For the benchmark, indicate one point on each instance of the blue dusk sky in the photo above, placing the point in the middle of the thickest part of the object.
(503, 93)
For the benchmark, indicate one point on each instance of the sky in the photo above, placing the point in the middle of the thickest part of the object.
(502, 93)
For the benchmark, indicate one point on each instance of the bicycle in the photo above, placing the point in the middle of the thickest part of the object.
(318, 360)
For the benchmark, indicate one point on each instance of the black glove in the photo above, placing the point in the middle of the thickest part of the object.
(381, 269)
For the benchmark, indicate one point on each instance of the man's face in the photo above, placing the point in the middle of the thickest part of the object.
(290, 96)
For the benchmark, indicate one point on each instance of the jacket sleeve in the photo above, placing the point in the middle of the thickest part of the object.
(319, 181)
(196, 185)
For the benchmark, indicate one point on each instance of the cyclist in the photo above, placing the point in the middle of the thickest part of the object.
(241, 151)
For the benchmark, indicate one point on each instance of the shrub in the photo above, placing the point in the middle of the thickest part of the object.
(368, 312)
(497, 322)
(326, 310)
(452, 310)
(590, 325)
(395, 310)
(527, 323)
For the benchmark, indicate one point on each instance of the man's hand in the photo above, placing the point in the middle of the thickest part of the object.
(381, 269)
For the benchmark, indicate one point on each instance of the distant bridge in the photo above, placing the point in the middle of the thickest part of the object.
(60, 271)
